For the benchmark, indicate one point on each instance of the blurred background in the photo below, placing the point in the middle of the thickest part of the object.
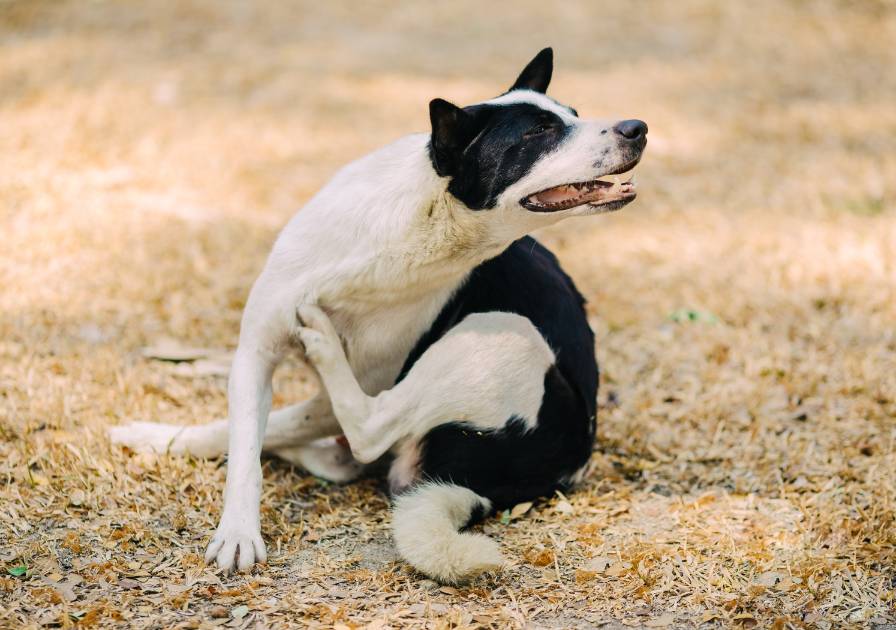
(149, 134)
(744, 306)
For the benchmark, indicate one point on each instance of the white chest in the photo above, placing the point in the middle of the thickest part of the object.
(378, 338)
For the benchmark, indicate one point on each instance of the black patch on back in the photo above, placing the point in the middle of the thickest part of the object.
(507, 140)
(510, 465)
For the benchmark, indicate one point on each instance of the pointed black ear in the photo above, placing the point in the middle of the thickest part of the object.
(450, 135)
(537, 75)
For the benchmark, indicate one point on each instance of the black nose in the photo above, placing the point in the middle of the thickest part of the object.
(631, 129)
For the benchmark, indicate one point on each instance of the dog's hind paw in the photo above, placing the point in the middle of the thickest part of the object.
(326, 458)
(318, 336)
(147, 437)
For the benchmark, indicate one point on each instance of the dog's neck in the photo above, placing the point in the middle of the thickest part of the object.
(385, 231)
(386, 228)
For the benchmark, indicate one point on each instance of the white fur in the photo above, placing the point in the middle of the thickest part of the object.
(379, 249)
(486, 369)
(326, 458)
(425, 524)
(567, 164)
(297, 424)
(538, 99)
(405, 468)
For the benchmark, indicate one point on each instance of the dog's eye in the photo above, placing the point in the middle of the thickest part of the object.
(537, 129)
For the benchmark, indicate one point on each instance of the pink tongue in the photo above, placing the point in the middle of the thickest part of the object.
(558, 194)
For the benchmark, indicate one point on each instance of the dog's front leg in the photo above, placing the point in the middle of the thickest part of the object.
(237, 541)
(264, 339)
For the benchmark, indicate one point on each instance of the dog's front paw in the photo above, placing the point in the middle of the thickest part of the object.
(317, 334)
(235, 546)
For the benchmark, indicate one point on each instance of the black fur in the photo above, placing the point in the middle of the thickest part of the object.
(515, 137)
(510, 465)
(537, 73)
(486, 148)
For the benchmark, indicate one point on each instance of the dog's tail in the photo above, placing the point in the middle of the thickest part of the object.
(425, 524)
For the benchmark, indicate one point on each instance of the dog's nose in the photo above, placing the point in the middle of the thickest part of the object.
(631, 129)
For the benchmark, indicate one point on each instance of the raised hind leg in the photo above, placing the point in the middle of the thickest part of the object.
(486, 370)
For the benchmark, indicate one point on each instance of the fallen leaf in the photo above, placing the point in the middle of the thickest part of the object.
(660, 622)
(769, 578)
(18, 571)
(77, 498)
(598, 564)
(37, 479)
(564, 507)
(66, 588)
(584, 576)
(619, 568)
(179, 521)
(787, 583)
(540, 558)
(239, 612)
(519, 509)
(218, 612)
(170, 350)
(203, 367)
(862, 614)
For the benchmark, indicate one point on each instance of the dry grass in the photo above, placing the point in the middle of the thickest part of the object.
(745, 473)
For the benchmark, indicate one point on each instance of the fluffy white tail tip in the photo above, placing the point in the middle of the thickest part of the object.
(425, 525)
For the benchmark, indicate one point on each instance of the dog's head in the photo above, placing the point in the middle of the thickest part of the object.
(524, 152)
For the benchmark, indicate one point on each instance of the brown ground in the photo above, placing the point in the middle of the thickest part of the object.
(746, 467)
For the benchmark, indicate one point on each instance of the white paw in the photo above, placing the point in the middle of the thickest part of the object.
(326, 458)
(146, 437)
(317, 334)
(311, 316)
(236, 546)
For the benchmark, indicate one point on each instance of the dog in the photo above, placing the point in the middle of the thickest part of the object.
(443, 335)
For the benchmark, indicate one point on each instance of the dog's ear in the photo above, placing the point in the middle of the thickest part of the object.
(451, 133)
(537, 75)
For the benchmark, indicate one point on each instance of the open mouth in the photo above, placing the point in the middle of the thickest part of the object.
(597, 193)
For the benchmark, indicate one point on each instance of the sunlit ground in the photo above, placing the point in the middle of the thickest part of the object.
(745, 307)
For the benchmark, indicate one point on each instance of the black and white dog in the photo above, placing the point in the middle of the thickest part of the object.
(442, 334)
